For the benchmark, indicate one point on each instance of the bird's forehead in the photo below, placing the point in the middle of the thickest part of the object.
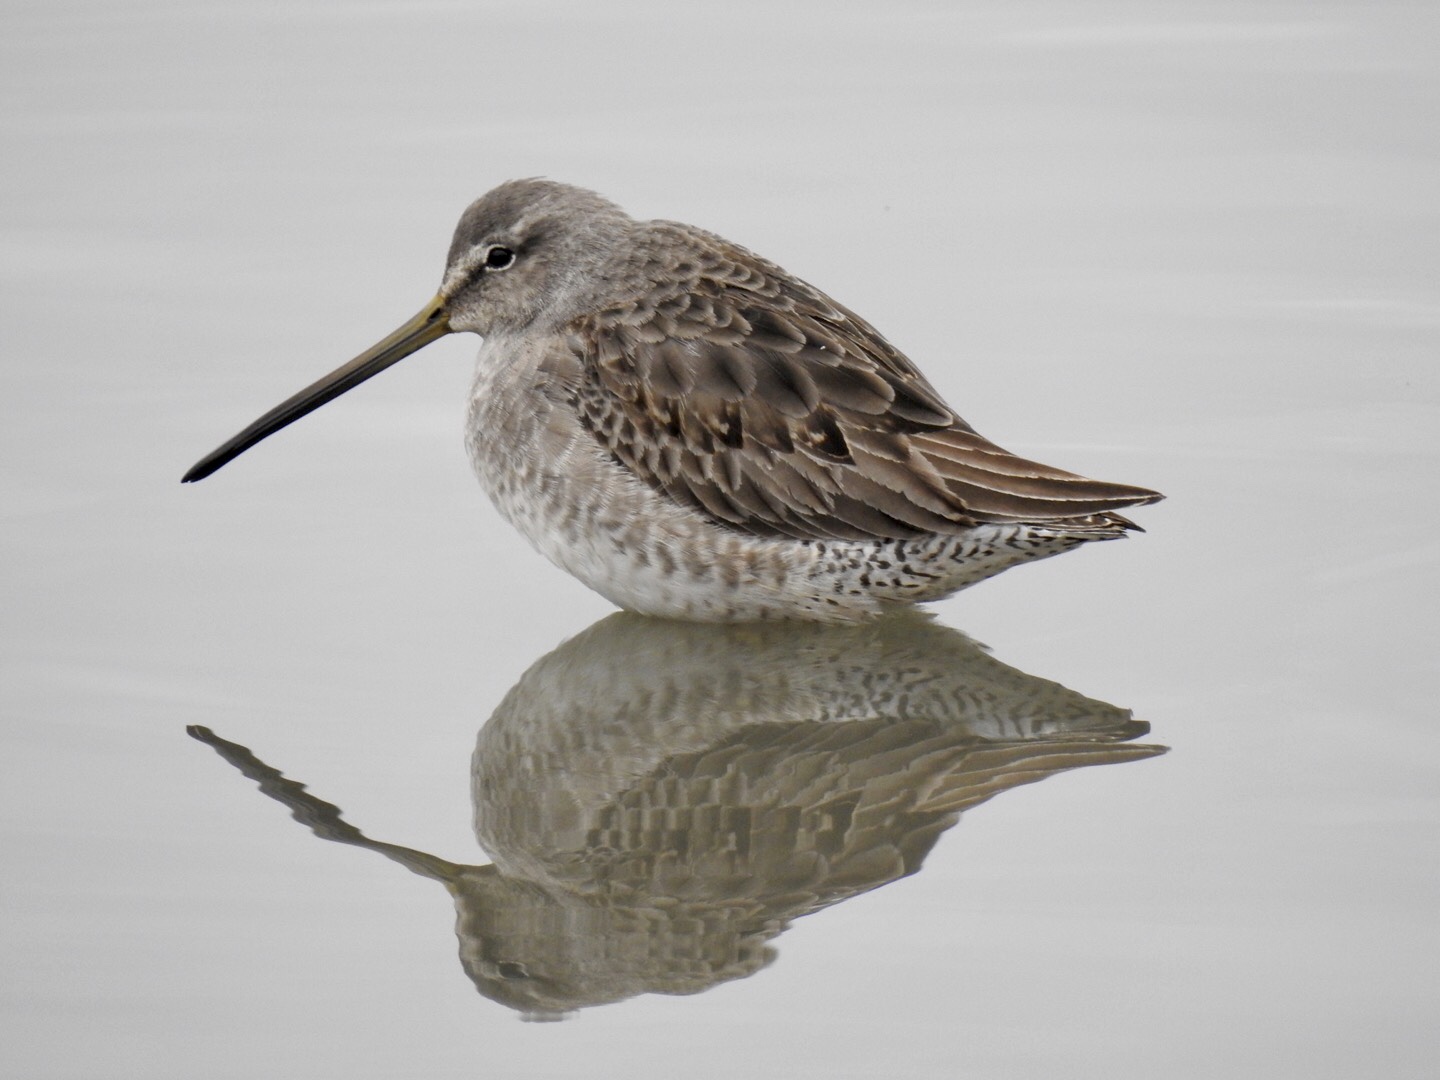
(499, 213)
(514, 209)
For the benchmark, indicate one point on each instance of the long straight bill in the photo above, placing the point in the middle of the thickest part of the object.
(430, 323)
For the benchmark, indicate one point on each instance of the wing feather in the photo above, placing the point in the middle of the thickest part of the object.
(747, 394)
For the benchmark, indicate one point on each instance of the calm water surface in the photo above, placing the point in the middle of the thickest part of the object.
(1191, 248)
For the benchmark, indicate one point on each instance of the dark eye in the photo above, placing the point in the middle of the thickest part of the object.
(508, 969)
(498, 258)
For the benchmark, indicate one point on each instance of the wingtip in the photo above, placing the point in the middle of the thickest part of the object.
(1148, 499)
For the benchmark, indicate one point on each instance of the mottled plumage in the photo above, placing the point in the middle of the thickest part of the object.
(694, 432)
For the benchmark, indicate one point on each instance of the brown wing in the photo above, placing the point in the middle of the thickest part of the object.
(743, 392)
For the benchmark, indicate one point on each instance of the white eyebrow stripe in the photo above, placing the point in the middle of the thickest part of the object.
(462, 271)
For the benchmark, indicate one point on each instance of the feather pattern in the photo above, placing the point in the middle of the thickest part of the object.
(741, 391)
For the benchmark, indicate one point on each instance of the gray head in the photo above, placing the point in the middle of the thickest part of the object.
(531, 252)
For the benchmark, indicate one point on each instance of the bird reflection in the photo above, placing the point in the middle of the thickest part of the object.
(660, 800)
